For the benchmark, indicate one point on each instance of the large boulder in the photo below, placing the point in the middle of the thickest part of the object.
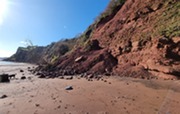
(4, 78)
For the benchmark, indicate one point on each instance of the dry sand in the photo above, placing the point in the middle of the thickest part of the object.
(113, 96)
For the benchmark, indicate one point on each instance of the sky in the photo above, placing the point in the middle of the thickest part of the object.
(44, 21)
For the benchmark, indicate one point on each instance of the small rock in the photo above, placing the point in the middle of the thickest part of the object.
(21, 70)
(42, 76)
(59, 106)
(79, 59)
(38, 73)
(69, 88)
(12, 76)
(37, 105)
(61, 77)
(107, 74)
(165, 40)
(90, 76)
(3, 96)
(29, 78)
(23, 78)
(69, 78)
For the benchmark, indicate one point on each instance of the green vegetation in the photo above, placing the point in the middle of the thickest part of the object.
(54, 58)
(58, 49)
(84, 37)
(111, 9)
(169, 22)
(29, 48)
(87, 45)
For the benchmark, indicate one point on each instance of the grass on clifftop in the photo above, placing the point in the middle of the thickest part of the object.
(169, 22)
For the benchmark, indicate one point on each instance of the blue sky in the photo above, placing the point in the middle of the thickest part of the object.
(44, 21)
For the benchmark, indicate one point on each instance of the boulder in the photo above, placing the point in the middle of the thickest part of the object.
(4, 78)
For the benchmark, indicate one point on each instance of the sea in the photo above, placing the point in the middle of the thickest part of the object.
(6, 63)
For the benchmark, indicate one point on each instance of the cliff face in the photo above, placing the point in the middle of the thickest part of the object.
(29, 54)
(139, 20)
(132, 38)
(43, 55)
(143, 36)
(140, 37)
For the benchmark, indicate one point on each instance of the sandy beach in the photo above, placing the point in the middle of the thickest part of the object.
(110, 95)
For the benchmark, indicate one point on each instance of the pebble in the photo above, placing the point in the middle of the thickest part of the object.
(69, 88)
(3, 96)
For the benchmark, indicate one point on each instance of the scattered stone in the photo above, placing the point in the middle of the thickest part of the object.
(165, 40)
(61, 77)
(142, 77)
(69, 88)
(59, 106)
(4, 78)
(38, 73)
(23, 77)
(37, 105)
(69, 78)
(21, 70)
(12, 76)
(90, 76)
(79, 59)
(107, 74)
(42, 76)
(3, 96)
(29, 78)
(81, 75)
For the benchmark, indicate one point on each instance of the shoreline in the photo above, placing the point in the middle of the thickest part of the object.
(110, 95)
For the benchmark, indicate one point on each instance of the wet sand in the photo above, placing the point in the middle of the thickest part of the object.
(108, 96)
